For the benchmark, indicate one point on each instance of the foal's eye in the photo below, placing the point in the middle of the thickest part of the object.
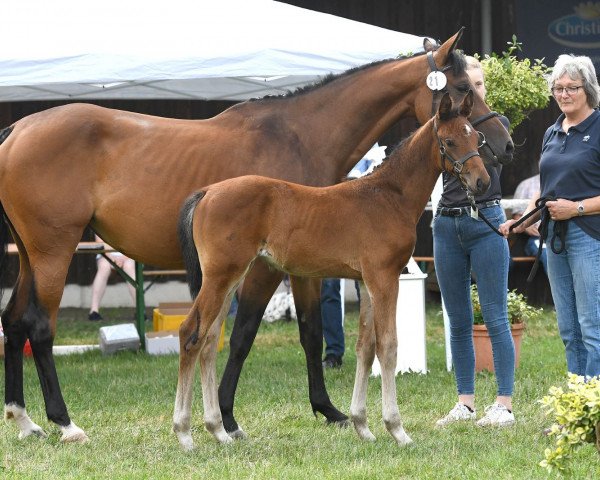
(450, 142)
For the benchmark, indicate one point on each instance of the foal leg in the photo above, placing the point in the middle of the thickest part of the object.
(307, 299)
(259, 285)
(384, 311)
(365, 353)
(197, 340)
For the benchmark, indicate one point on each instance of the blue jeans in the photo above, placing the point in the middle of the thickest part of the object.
(333, 317)
(462, 244)
(574, 278)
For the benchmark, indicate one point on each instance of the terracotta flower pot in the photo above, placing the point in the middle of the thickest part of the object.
(484, 359)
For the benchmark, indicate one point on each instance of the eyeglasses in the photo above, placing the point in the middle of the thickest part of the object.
(558, 91)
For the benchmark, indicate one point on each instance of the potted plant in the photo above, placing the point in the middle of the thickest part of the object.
(518, 312)
(515, 87)
(576, 414)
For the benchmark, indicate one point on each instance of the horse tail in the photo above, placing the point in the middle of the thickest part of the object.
(5, 235)
(186, 241)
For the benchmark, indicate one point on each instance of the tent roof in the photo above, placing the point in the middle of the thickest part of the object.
(181, 49)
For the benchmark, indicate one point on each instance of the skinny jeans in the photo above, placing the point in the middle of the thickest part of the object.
(461, 245)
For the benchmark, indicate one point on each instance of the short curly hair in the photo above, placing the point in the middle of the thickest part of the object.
(578, 68)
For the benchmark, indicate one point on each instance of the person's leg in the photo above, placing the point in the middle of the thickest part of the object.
(99, 287)
(453, 272)
(584, 258)
(531, 249)
(563, 294)
(331, 312)
(129, 268)
(490, 262)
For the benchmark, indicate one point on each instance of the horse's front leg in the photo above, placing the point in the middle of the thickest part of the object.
(307, 300)
(365, 354)
(384, 312)
(258, 288)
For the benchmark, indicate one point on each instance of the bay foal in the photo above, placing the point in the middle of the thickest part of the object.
(363, 229)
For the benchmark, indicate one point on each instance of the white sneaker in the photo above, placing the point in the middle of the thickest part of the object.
(459, 413)
(496, 415)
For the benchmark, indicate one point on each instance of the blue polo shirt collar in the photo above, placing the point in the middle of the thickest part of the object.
(580, 127)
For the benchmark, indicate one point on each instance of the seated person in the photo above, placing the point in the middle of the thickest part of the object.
(102, 275)
(527, 189)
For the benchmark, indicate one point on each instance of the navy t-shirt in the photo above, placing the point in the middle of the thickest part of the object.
(570, 166)
(454, 195)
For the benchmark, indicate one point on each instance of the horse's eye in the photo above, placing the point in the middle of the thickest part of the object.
(450, 142)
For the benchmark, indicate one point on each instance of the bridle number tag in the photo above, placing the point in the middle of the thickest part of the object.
(436, 80)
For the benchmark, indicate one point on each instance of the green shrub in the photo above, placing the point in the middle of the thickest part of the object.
(518, 308)
(515, 87)
(576, 414)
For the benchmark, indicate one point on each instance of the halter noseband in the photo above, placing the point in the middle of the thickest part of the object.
(457, 165)
(476, 121)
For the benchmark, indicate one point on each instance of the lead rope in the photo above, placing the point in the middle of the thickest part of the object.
(559, 232)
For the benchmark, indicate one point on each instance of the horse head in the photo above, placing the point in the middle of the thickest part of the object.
(458, 144)
(497, 146)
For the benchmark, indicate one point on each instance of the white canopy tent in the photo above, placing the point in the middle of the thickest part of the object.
(181, 49)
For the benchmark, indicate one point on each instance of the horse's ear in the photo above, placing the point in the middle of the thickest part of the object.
(467, 104)
(448, 46)
(430, 45)
(445, 106)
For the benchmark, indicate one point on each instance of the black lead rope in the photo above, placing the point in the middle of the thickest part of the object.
(559, 232)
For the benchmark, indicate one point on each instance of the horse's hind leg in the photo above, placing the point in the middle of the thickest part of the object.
(196, 338)
(365, 354)
(14, 407)
(259, 285)
(308, 309)
(34, 314)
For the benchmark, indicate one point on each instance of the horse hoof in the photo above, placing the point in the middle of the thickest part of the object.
(238, 434)
(73, 434)
(186, 442)
(345, 423)
(404, 440)
(35, 430)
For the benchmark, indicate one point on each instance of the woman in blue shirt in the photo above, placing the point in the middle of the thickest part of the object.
(570, 173)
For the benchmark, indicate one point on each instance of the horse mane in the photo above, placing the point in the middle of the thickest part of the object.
(332, 77)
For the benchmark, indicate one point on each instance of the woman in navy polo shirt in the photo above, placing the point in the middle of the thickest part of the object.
(461, 242)
(570, 173)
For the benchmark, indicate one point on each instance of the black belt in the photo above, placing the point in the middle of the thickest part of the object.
(466, 210)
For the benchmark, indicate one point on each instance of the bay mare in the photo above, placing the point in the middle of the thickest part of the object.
(363, 229)
(127, 175)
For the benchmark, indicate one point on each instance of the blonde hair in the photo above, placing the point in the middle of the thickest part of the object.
(472, 63)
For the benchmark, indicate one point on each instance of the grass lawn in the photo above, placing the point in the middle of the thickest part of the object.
(125, 402)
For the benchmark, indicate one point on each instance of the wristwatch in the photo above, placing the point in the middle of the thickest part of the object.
(580, 209)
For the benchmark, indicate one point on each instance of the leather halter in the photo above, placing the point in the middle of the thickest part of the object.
(476, 121)
(457, 165)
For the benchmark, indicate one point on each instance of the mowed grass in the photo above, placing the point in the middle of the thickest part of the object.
(124, 402)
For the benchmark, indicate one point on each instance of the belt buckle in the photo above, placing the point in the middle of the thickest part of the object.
(455, 211)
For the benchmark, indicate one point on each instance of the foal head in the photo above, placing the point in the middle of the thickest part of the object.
(458, 142)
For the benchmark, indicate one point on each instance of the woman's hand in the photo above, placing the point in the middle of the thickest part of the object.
(504, 228)
(562, 209)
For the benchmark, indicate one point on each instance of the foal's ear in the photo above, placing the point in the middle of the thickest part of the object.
(429, 44)
(467, 104)
(445, 106)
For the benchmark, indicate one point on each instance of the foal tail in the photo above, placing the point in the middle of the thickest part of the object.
(186, 241)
